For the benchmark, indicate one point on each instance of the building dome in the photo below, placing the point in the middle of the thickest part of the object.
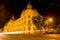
(29, 6)
(29, 11)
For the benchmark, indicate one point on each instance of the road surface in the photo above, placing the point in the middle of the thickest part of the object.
(30, 37)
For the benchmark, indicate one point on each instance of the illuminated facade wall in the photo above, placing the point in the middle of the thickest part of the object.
(24, 23)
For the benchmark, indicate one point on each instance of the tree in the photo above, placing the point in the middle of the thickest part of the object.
(37, 21)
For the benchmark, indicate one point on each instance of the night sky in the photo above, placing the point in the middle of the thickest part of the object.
(8, 8)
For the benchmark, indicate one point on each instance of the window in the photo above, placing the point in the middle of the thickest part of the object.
(28, 28)
(28, 16)
(29, 21)
(25, 17)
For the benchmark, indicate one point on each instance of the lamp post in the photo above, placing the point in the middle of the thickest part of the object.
(49, 21)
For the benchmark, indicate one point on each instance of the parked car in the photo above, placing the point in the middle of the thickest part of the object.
(50, 31)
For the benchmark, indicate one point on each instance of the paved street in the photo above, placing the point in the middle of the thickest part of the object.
(30, 37)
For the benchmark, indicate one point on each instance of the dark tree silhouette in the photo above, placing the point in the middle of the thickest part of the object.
(37, 21)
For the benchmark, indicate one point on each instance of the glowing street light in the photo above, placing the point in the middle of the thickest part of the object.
(49, 22)
(50, 19)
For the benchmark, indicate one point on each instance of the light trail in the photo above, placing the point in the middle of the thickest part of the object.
(18, 32)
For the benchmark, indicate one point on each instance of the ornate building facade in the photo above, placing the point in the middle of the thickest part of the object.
(27, 22)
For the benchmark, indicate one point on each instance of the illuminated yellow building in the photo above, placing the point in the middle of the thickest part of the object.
(24, 23)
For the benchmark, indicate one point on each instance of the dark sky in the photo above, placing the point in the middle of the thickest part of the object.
(14, 7)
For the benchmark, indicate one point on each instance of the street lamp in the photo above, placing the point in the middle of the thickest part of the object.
(50, 19)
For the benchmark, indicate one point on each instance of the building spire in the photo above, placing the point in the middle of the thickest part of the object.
(13, 18)
(29, 6)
